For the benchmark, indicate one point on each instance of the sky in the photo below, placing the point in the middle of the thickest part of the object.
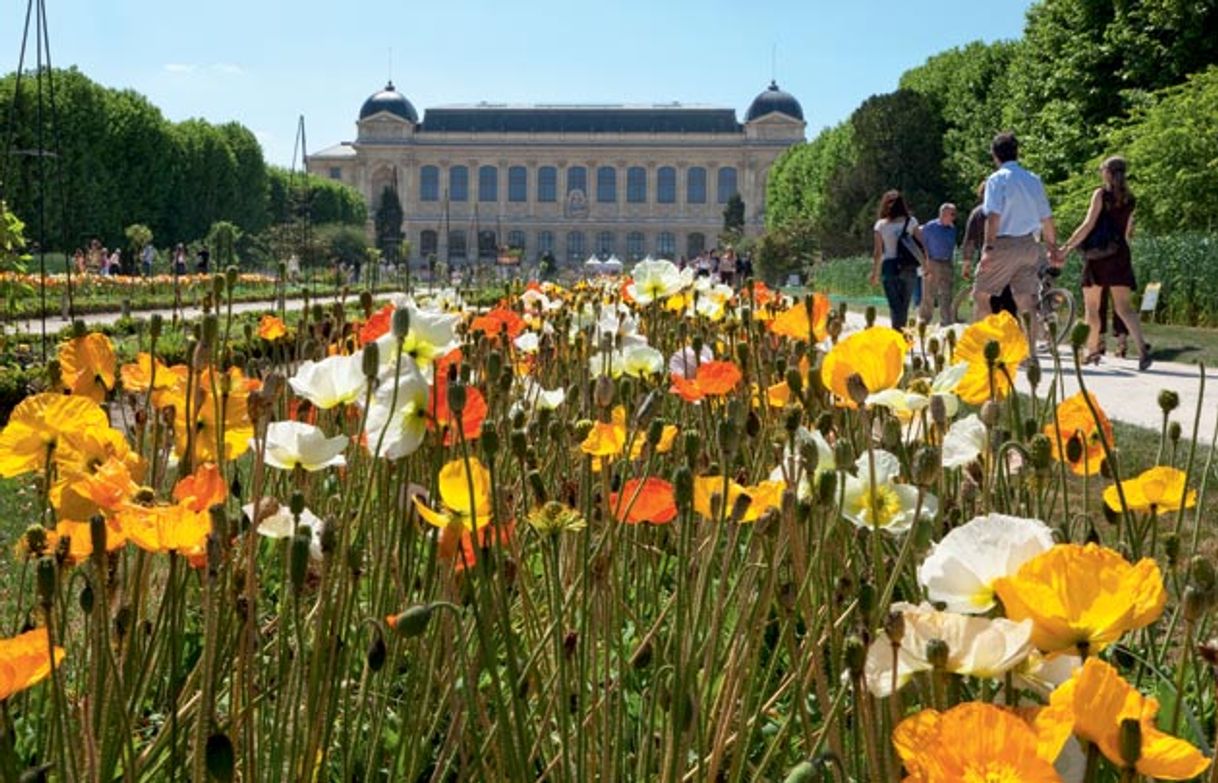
(264, 63)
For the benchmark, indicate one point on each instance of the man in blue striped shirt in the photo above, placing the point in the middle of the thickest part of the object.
(1016, 212)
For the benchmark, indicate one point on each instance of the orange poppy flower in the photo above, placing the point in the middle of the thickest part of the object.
(1074, 420)
(651, 500)
(500, 320)
(271, 328)
(377, 325)
(798, 324)
(440, 417)
(202, 489)
(713, 379)
(146, 372)
(80, 538)
(182, 527)
(877, 355)
(25, 660)
(87, 366)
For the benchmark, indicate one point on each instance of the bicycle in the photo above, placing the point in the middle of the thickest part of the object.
(1054, 305)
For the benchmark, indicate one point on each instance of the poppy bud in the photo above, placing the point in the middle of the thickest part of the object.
(298, 557)
(989, 413)
(219, 757)
(937, 653)
(1131, 741)
(729, 437)
(537, 486)
(36, 539)
(826, 486)
(1033, 373)
(894, 627)
(234, 486)
(869, 316)
(413, 621)
(54, 373)
(683, 488)
(1193, 604)
(456, 398)
(97, 534)
(793, 418)
(376, 651)
(856, 389)
(890, 436)
(1079, 335)
(365, 302)
(992, 351)
(296, 504)
(692, 442)
(803, 772)
(843, 454)
(854, 656)
(156, 322)
(1041, 450)
(602, 391)
(1174, 431)
(740, 507)
(400, 323)
(1209, 653)
(46, 580)
(1168, 401)
(655, 432)
(938, 410)
(795, 382)
(1171, 549)
(1201, 571)
(916, 363)
(926, 464)
(217, 285)
(1074, 448)
(824, 423)
(211, 330)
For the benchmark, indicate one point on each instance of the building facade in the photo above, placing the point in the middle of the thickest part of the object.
(569, 180)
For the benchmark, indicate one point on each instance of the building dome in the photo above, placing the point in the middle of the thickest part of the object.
(389, 100)
(774, 100)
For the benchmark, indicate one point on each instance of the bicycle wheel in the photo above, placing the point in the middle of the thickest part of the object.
(1057, 308)
(964, 305)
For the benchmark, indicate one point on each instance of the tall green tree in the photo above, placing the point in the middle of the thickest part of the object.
(388, 223)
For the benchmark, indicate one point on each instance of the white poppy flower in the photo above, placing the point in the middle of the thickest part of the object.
(685, 362)
(639, 361)
(877, 501)
(976, 646)
(796, 472)
(527, 342)
(655, 280)
(292, 444)
(431, 335)
(1043, 674)
(403, 425)
(944, 385)
(901, 402)
(960, 570)
(335, 380)
(276, 521)
(964, 442)
(536, 396)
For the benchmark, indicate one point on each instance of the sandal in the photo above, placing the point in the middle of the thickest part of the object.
(1122, 347)
(1093, 357)
(1144, 360)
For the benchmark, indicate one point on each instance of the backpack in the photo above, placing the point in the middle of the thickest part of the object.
(1104, 240)
(910, 253)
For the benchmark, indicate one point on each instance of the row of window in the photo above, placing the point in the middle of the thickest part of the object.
(604, 244)
(577, 179)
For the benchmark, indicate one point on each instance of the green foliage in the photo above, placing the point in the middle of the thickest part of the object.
(787, 249)
(733, 218)
(222, 238)
(388, 222)
(137, 235)
(798, 182)
(296, 196)
(344, 243)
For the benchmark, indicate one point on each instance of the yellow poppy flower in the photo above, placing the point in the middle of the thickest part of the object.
(162, 529)
(1082, 597)
(80, 538)
(1003, 329)
(38, 427)
(271, 328)
(762, 497)
(797, 324)
(87, 366)
(606, 439)
(1074, 420)
(1161, 488)
(973, 741)
(220, 423)
(1093, 703)
(461, 507)
(25, 660)
(877, 355)
(146, 372)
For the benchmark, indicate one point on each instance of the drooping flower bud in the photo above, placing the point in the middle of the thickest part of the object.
(937, 653)
(400, 323)
(1079, 335)
(856, 388)
(683, 488)
(413, 621)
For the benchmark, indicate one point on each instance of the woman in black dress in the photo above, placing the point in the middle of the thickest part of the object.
(1108, 263)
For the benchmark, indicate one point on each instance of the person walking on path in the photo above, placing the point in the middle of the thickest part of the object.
(1104, 237)
(939, 238)
(1016, 211)
(899, 279)
(147, 256)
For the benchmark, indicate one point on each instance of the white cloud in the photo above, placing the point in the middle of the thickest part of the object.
(179, 68)
(228, 68)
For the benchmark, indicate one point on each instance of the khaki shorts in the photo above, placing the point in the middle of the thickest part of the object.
(1013, 262)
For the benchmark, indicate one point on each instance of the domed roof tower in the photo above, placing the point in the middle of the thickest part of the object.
(774, 100)
(392, 101)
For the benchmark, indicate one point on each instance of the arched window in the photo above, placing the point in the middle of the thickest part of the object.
(516, 239)
(666, 245)
(458, 185)
(634, 246)
(545, 243)
(695, 244)
(488, 183)
(518, 183)
(427, 243)
(577, 179)
(487, 247)
(547, 184)
(456, 245)
(429, 183)
(575, 246)
(636, 185)
(604, 244)
(727, 183)
(606, 185)
(666, 185)
(695, 185)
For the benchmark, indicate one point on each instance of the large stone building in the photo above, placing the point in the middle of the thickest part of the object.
(571, 180)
